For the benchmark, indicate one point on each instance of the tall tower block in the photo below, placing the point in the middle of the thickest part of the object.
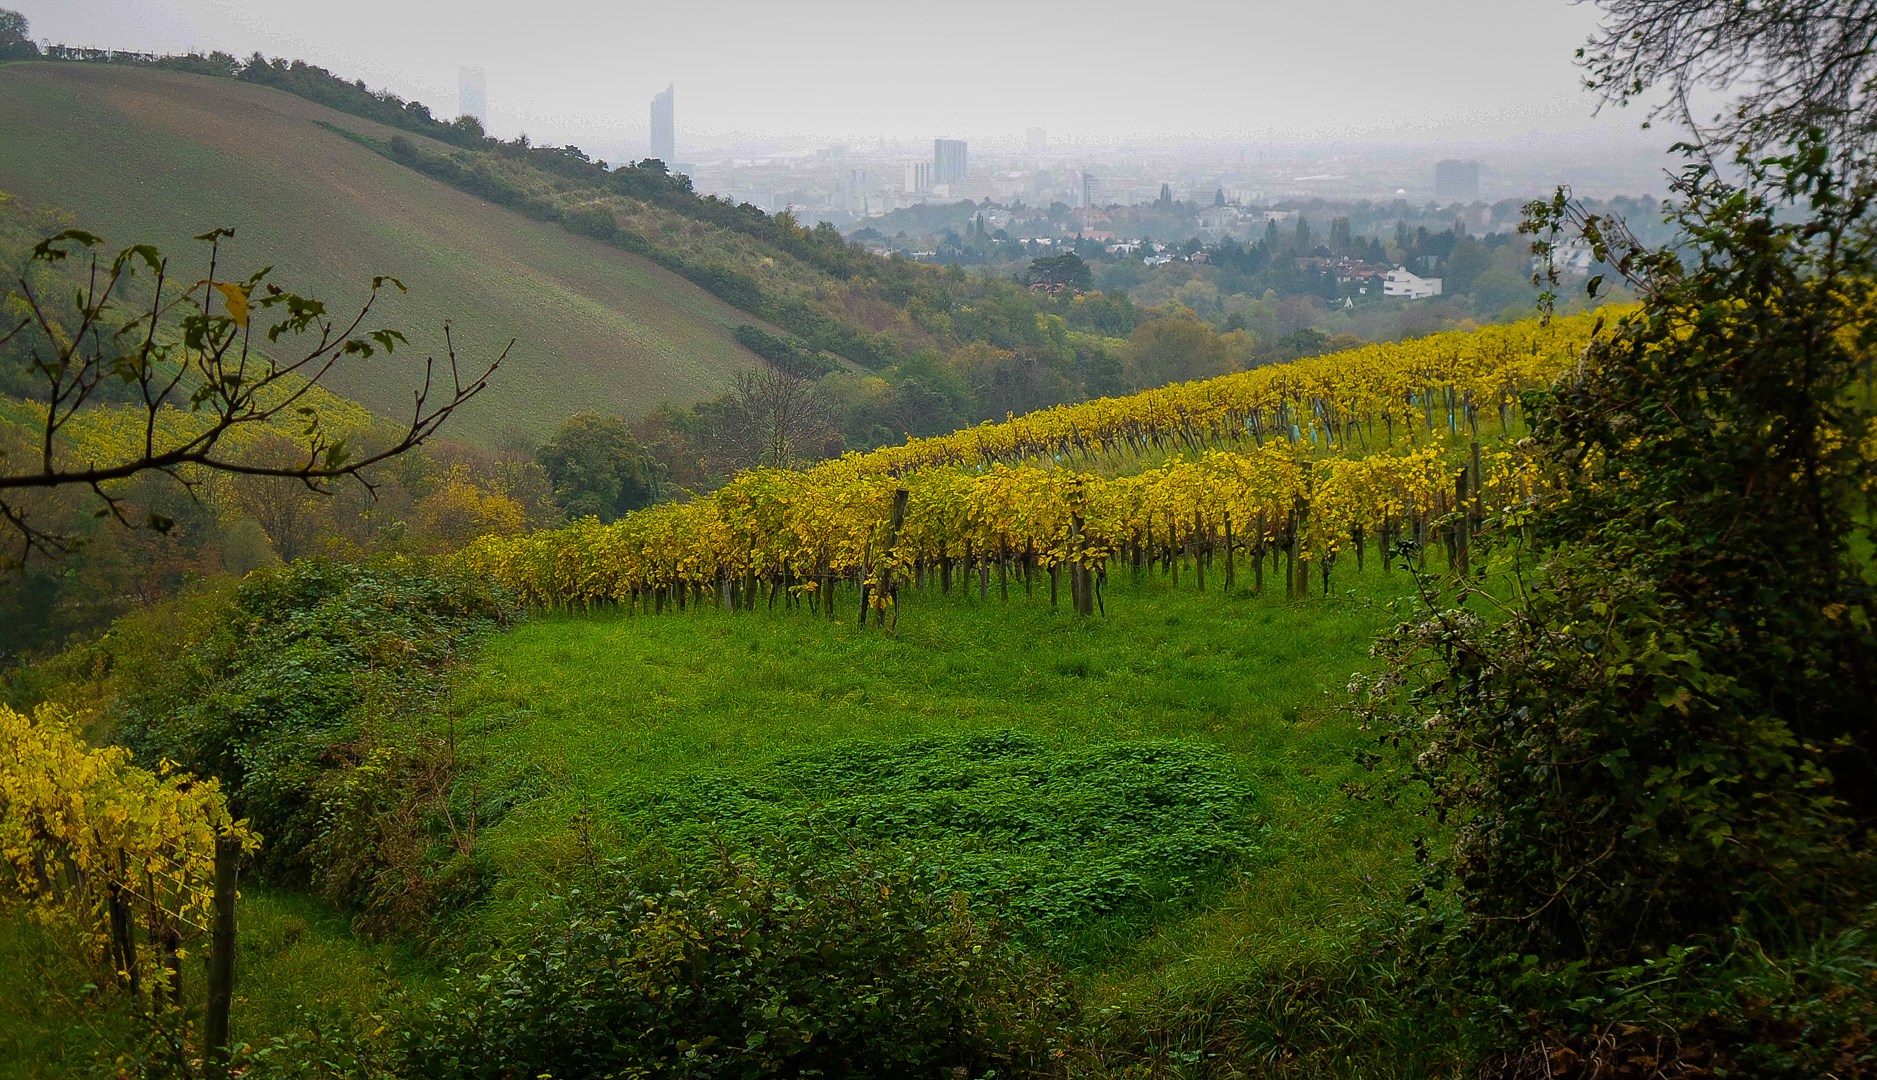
(665, 126)
(472, 95)
(948, 161)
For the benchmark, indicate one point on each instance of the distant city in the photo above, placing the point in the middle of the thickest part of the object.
(850, 183)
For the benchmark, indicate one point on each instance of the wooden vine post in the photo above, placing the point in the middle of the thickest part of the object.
(1081, 590)
(889, 589)
(1257, 557)
(1229, 575)
(221, 980)
(1461, 524)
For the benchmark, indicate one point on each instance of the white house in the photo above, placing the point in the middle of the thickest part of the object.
(1399, 282)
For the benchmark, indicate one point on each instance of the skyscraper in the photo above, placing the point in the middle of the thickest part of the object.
(948, 161)
(665, 126)
(472, 95)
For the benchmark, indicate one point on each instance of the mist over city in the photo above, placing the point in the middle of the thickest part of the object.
(822, 105)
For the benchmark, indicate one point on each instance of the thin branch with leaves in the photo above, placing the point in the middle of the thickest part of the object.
(190, 354)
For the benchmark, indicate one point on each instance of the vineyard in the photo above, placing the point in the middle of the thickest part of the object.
(138, 865)
(1298, 465)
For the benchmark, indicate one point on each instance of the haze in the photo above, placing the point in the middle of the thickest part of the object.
(1092, 72)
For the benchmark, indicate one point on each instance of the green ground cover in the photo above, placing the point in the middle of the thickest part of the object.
(1160, 788)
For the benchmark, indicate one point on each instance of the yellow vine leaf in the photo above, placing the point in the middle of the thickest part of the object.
(236, 297)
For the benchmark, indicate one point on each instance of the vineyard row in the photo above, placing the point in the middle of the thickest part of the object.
(798, 535)
(1428, 391)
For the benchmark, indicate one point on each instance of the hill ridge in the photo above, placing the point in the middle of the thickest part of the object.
(164, 155)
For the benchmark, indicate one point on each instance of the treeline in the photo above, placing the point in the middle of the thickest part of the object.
(1293, 286)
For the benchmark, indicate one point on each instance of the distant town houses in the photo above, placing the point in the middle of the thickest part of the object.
(1401, 282)
(1355, 271)
(1571, 259)
(1347, 271)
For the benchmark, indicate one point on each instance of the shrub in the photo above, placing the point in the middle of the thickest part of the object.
(810, 963)
(301, 698)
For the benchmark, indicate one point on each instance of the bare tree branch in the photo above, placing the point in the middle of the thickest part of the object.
(1786, 65)
(190, 365)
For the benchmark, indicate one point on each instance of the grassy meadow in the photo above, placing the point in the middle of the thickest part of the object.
(167, 156)
(1154, 795)
(1016, 745)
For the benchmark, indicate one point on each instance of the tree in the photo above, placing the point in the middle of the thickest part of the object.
(292, 516)
(16, 41)
(187, 368)
(1788, 65)
(1006, 383)
(1301, 240)
(1175, 349)
(597, 468)
(1302, 342)
(1662, 755)
(1341, 243)
(775, 417)
(1066, 270)
(460, 510)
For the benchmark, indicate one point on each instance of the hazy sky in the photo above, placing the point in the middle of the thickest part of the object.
(1095, 69)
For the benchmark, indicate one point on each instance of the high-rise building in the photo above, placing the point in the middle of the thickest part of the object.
(472, 95)
(665, 126)
(1456, 181)
(948, 161)
(918, 177)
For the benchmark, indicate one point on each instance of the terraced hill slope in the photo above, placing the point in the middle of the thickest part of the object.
(140, 155)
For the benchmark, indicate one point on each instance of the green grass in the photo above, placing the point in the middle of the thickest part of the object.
(689, 726)
(1157, 794)
(141, 156)
(295, 961)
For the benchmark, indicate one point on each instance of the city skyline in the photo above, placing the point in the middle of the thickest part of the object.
(1444, 70)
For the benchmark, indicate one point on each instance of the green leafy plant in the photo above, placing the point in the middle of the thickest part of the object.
(1068, 841)
(303, 698)
(806, 963)
(1659, 751)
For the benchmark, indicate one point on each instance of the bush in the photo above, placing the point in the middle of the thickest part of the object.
(301, 696)
(810, 964)
(1663, 749)
(592, 220)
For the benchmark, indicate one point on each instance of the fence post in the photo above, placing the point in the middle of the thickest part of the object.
(889, 589)
(221, 955)
(1462, 525)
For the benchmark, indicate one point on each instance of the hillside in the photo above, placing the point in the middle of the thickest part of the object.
(140, 155)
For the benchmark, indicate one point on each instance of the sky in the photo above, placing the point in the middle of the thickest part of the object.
(1094, 70)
